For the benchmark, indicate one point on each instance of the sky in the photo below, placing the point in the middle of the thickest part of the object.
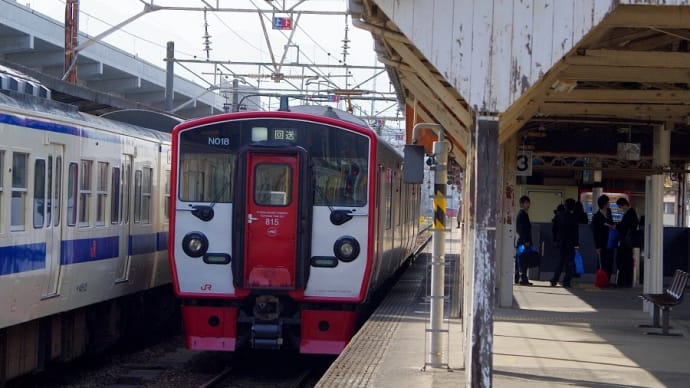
(239, 37)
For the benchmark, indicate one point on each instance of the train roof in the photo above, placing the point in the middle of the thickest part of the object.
(328, 111)
(145, 118)
(18, 82)
(49, 109)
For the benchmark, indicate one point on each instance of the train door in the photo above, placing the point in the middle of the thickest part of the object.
(125, 201)
(53, 212)
(273, 218)
(380, 222)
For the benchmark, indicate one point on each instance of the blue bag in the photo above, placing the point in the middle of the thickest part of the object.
(579, 265)
(520, 249)
(613, 239)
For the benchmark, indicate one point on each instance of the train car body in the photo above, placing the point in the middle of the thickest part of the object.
(283, 225)
(83, 224)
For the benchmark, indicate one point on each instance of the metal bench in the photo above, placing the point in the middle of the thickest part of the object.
(663, 303)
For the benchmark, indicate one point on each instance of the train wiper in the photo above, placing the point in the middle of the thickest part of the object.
(205, 212)
(338, 216)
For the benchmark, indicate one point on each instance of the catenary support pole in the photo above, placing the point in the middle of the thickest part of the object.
(169, 76)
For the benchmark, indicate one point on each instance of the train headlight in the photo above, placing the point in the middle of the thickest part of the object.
(195, 244)
(346, 249)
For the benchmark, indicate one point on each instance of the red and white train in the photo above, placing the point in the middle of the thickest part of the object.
(283, 224)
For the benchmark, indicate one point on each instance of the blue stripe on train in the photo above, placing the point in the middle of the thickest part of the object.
(29, 257)
(88, 249)
(59, 128)
(162, 241)
(22, 258)
(142, 243)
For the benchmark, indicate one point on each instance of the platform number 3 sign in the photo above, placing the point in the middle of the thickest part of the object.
(524, 163)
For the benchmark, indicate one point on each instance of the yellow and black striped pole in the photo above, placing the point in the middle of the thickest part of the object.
(439, 165)
(440, 205)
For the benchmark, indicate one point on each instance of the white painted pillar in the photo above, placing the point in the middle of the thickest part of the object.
(506, 237)
(654, 214)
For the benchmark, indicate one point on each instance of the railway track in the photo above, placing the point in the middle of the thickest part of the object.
(304, 378)
(274, 370)
(167, 363)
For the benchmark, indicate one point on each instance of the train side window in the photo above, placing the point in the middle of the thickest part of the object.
(85, 179)
(101, 192)
(398, 194)
(56, 197)
(146, 190)
(137, 197)
(389, 198)
(115, 197)
(39, 208)
(166, 196)
(19, 190)
(126, 203)
(72, 190)
(49, 189)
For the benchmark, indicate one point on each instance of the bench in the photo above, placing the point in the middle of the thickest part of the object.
(663, 303)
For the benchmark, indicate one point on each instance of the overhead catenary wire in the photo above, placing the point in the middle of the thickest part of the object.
(311, 68)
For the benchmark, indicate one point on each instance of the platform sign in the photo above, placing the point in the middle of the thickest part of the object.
(524, 163)
(282, 23)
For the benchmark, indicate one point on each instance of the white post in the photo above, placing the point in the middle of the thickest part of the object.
(654, 221)
(440, 151)
(506, 234)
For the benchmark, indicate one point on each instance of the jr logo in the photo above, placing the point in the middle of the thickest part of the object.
(206, 287)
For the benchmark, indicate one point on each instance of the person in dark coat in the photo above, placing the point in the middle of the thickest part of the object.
(627, 233)
(568, 241)
(602, 222)
(524, 231)
(580, 213)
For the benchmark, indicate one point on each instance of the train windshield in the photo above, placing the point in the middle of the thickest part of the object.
(340, 158)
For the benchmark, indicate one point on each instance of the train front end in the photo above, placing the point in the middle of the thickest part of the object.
(271, 228)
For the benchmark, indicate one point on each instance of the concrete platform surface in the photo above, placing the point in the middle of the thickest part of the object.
(552, 337)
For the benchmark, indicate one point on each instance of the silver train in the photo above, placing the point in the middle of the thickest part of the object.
(83, 230)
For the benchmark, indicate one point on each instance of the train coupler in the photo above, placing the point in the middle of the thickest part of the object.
(267, 336)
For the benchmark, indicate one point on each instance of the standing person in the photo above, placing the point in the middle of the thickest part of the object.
(627, 231)
(602, 222)
(524, 231)
(568, 241)
(580, 213)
